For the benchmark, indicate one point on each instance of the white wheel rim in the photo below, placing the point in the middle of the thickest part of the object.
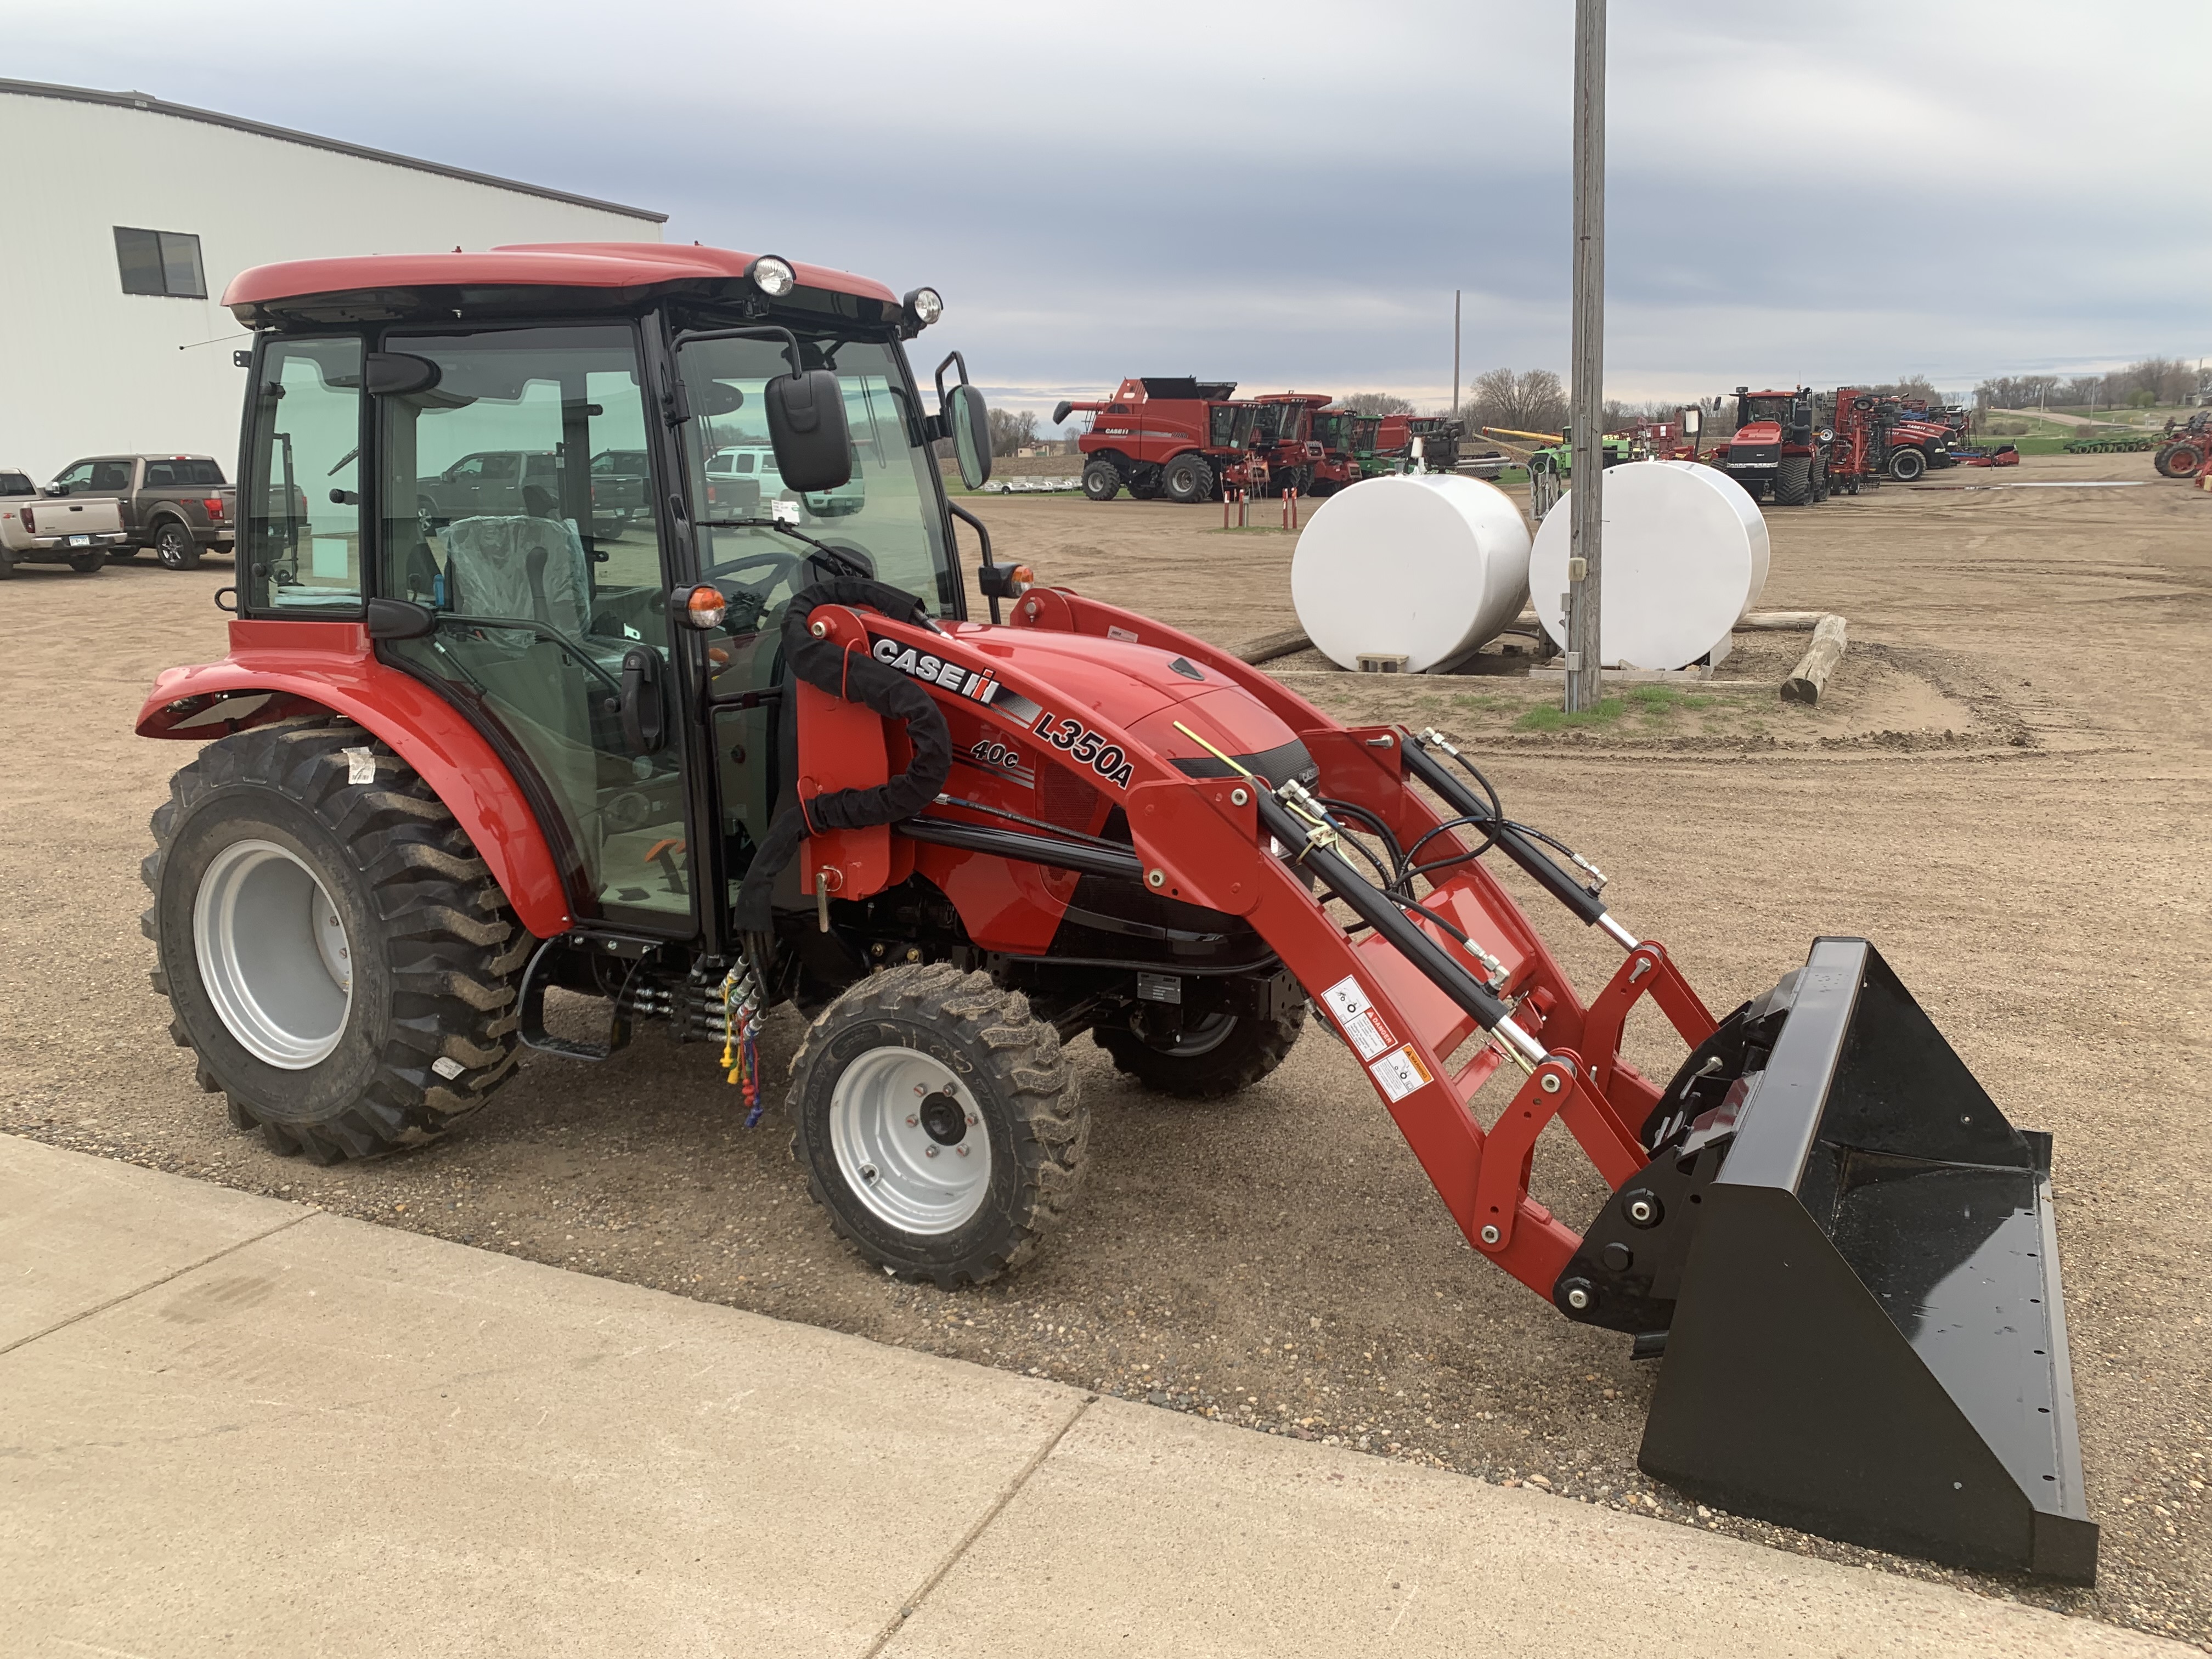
(273, 954)
(881, 1112)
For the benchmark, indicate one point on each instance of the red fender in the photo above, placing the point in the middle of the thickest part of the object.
(329, 665)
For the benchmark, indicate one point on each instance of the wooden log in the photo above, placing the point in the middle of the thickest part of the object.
(1813, 668)
(1268, 646)
(1781, 621)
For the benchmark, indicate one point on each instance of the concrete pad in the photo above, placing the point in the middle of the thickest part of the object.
(76, 1232)
(344, 1440)
(1146, 1532)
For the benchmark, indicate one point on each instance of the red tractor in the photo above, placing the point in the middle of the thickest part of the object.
(2185, 448)
(1346, 440)
(1876, 438)
(1284, 437)
(748, 748)
(1776, 448)
(1169, 435)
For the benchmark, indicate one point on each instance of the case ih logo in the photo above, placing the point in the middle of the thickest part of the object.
(976, 684)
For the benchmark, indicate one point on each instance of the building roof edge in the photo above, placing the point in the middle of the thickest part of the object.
(140, 100)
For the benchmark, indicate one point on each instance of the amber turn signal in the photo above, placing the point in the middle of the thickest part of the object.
(705, 607)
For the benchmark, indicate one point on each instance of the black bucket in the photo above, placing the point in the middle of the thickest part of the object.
(1866, 1337)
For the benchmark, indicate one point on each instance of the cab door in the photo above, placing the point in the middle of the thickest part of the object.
(549, 624)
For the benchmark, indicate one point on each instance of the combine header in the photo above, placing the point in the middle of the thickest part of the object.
(738, 750)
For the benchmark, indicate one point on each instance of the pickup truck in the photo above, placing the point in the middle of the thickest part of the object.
(35, 530)
(502, 482)
(178, 505)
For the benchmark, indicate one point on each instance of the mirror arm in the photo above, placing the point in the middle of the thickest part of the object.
(951, 359)
(763, 332)
(983, 536)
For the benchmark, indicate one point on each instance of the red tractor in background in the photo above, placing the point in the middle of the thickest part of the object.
(1347, 443)
(1283, 436)
(1777, 447)
(1172, 436)
(1877, 438)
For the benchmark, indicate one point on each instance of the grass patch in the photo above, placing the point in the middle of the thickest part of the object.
(1654, 705)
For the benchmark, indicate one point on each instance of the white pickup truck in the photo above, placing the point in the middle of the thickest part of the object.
(54, 530)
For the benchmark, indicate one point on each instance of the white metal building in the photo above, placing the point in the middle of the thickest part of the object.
(137, 213)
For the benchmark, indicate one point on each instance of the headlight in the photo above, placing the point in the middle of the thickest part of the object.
(925, 306)
(773, 277)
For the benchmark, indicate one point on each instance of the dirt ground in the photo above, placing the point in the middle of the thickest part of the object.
(2007, 788)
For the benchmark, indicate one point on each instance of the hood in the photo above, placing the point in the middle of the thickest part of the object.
(1140, 689)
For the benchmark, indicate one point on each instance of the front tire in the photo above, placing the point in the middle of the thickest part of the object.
(339, 959)
(939, 1123)
(1223, 1055)
(1187, 479)
(1102, 481)
(174, 547)
(1907, 464)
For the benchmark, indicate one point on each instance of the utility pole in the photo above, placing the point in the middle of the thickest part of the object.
(1454, 411)
(1586, 408)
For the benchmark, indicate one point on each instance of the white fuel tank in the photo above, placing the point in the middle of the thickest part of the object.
(1417, 566)
(1684, 556)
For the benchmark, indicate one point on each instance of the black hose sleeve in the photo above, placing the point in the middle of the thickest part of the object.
(856, 677)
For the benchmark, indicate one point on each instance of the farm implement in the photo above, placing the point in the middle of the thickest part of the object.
(745, 746)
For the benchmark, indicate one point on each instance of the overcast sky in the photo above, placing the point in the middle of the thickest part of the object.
(1287, 194)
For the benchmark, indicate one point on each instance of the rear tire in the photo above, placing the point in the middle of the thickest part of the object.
(1187, 479)
(7, 564)
(339, 959)
(1907, 464)
(174, 547)
(1793, 481)
(2181, 461)
(1102, 481)
(1210, 1063)
(880, 1088)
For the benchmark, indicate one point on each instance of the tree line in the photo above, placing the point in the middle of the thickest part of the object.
(2141, 384)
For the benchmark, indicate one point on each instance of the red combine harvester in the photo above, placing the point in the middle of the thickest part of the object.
(1171, 436)
(1776, 448)
(725, 754)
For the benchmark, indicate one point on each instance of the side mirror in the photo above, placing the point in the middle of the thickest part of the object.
(971, 433)
(806, 424)
(53, 490)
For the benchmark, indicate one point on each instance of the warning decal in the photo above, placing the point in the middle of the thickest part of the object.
(1362, 1026)
(1399, 1072)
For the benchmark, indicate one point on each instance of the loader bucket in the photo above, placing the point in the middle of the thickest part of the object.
(1869, 1342)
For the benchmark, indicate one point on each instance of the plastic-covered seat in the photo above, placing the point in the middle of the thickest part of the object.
(518, 566)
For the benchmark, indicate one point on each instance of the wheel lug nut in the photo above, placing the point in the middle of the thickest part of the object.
(911, 1121)
(971, 1119)
(929, 1152)
(964, 1152)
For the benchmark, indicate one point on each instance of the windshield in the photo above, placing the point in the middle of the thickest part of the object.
(888, 516)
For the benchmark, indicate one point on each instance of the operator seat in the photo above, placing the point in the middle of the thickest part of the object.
(518, 566)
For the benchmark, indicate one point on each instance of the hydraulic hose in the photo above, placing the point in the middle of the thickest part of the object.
(856, 677)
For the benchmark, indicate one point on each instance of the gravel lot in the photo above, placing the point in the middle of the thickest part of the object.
(2007, 790)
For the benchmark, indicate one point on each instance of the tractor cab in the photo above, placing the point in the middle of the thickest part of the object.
(510, 499)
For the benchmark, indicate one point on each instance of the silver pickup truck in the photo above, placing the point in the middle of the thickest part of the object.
(178, 505)
(40, 529)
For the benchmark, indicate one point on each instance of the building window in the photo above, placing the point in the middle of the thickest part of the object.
(160, 262)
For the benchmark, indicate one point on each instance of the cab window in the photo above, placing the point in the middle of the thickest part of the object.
(301, 549)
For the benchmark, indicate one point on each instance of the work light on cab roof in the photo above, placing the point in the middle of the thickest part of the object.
(649, 675)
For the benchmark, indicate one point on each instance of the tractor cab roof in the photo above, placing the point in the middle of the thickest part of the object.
(531, 278)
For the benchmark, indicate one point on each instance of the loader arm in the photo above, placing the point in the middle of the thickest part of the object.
(1843, 1248)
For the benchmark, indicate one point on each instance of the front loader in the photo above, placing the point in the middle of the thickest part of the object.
(744, 745)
